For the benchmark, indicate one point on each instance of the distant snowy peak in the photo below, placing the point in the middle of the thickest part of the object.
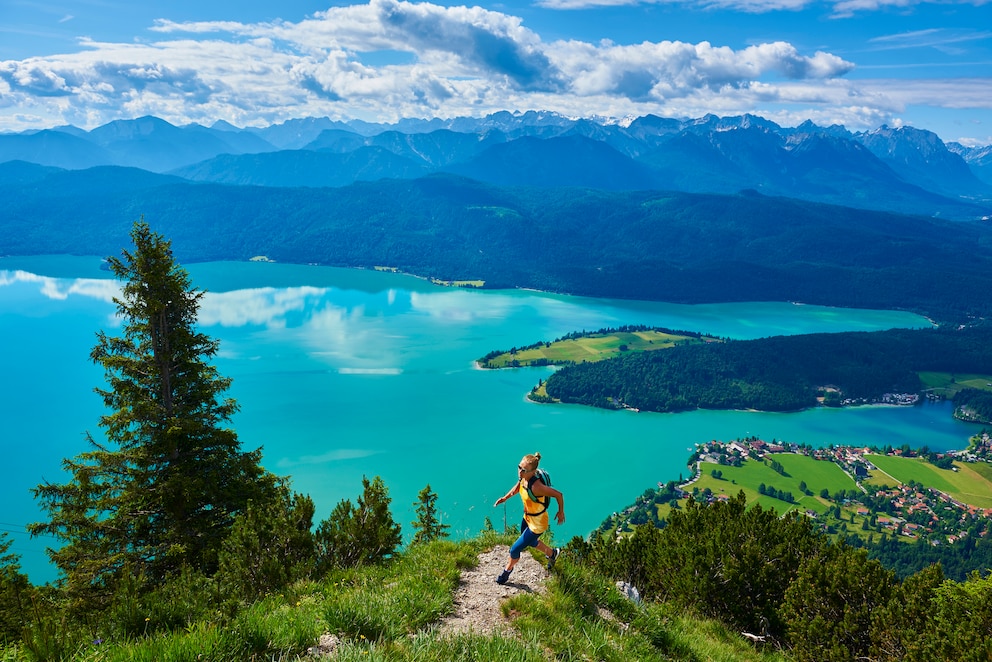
(900, 169)
(981, 155)
(915, 153)
(903, 142)
(978, 158)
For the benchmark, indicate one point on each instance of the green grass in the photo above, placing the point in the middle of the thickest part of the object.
(818, 474)
(983, 469)
(948, 384)
(593, 347)
(459, 283)
(391, 612)
(970, 484)
(905, 469)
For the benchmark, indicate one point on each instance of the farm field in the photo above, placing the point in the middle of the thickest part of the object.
(817, 475)
(591, 347)
(947, 384)
(971, 483)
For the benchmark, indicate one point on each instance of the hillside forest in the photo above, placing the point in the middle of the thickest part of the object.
(781, 373)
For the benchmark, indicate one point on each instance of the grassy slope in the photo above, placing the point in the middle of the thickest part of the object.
(947, 384)
(817, 474)
(970, 484)
(593, 347)
(389, 613)
(967, 484)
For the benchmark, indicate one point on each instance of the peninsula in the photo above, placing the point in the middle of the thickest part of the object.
(781, 373)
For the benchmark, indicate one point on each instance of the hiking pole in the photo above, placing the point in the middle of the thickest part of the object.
(504, 517)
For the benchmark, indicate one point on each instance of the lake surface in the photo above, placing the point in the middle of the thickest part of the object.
(344, 373)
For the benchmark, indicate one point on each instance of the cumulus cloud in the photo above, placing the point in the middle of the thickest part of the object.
(462, 61)
(675, 69)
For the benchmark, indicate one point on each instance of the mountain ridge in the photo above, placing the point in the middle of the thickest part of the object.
(912, 171)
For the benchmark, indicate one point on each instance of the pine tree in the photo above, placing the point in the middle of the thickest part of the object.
(358, 535)
(15, 592)
(163, 489)
(270, 546)
(428, 525)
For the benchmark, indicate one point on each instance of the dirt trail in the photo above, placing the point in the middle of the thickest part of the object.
(478, 596)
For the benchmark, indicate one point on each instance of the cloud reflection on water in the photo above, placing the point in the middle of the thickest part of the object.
(337, 455)
(60, 289)
(266, 306)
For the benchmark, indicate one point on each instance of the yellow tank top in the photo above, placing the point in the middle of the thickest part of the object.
(536, 523)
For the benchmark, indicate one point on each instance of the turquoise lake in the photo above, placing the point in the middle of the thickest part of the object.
(344, 373)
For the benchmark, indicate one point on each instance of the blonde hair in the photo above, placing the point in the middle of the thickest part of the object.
(531, 460)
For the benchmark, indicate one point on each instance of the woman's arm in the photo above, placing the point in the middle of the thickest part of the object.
(513, 490)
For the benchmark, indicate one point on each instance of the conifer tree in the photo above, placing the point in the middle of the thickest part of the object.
(15, 592)
(270, 546)
(428, 524)
(163, 488)
(358, 535)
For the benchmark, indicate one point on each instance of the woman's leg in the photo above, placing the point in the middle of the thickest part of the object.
(527, 539)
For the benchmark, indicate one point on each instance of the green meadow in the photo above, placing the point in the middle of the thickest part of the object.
(817, 474)
(971, 483)
(592, 347)
(948, 384)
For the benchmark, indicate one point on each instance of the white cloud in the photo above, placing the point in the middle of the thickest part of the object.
(958, 93)
(941, 39)
(847, 8)
(464, 61)
(668, 70)
(841, 8)
(750, 6)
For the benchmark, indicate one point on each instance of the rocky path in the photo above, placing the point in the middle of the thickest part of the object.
(478, 597)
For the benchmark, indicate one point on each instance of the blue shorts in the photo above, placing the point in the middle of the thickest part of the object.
(527, 539)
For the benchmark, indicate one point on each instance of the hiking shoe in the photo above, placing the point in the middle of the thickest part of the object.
(553, 558)
(503, 577)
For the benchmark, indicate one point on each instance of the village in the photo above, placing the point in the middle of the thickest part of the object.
(908, 510)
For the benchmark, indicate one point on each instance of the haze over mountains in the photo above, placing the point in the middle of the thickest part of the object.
(714, 209)
(905, 170)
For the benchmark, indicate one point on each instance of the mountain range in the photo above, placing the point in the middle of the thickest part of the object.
(902, 169)
(707, 210)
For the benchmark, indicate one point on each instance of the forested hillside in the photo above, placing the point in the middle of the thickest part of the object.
(781, 373)
(651, 245)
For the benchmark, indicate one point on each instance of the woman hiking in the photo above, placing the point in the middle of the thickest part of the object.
(536, 495)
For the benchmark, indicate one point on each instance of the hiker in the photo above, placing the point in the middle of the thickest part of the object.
(534, 487)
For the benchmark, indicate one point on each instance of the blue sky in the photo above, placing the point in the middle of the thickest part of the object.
(860, 63)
